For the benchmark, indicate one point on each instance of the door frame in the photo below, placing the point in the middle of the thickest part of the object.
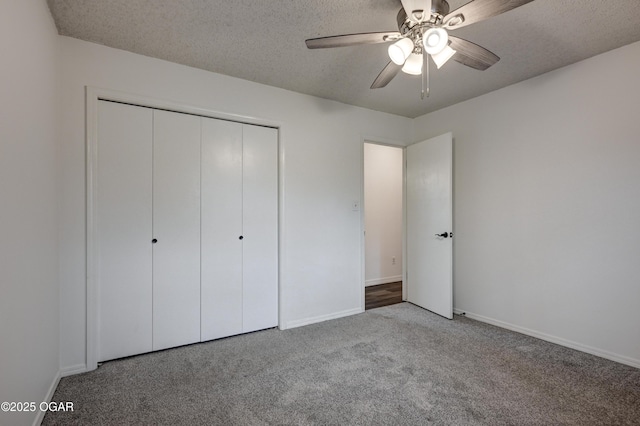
(403, 146)
(393, 144)
(92, 96)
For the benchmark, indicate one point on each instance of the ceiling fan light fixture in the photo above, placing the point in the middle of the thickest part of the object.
(422, 32)
(413, 65)
(400, 50)
(443, 56)
(434, 40)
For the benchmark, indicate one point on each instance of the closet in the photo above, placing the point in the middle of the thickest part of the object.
(187, 228)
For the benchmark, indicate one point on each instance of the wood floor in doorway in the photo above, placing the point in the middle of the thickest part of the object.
(376, 296)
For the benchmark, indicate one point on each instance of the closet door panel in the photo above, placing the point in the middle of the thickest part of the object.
(260, 228)
(176, 226)
(221, 276)
(123, 219)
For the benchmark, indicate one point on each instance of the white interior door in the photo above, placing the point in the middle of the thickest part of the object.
(123, 218)
(221, 283)
(429, 214)
(176, 229)
(260, 228)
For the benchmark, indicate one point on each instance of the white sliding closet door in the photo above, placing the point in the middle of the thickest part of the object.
(260, 228)
(221, 229)
(176, 227)
(123, 219)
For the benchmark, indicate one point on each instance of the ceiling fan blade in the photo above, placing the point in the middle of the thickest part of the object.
(410, 6)
(478, 10)
(351, 39)
(472, 55)
(386, 75)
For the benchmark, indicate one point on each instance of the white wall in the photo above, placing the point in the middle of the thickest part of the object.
(546, 195)
(29, 351)
(321, 140)
(383, 182)
(547, 204)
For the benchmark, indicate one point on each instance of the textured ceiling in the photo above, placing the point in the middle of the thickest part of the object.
(263, 41)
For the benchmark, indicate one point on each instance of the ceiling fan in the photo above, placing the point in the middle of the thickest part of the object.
(423, 27)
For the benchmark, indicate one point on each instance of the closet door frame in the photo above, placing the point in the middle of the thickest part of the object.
(92, 96)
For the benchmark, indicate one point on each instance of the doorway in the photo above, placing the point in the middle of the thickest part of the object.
(425, 221)
(383, 224)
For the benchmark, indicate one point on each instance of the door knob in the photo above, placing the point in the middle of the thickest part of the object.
(154, 241)
(443, 235)
(241, 237)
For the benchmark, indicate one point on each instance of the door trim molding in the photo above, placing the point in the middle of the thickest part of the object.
(92, 96)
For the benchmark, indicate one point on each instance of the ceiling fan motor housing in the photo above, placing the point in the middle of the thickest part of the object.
(439, 9)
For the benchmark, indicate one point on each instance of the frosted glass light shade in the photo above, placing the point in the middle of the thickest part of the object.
(413, 65)
(434, 40)
(400, 50)
(441, 58)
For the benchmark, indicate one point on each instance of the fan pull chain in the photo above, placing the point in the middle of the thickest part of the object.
(425, 74)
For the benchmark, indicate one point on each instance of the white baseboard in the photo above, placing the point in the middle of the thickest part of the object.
(321, 318)
(553, 339)
(384, 280)
(73, 369)
(48, 397)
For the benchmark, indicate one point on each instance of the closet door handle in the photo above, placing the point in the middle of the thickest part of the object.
(154, 241)
(241, 237)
